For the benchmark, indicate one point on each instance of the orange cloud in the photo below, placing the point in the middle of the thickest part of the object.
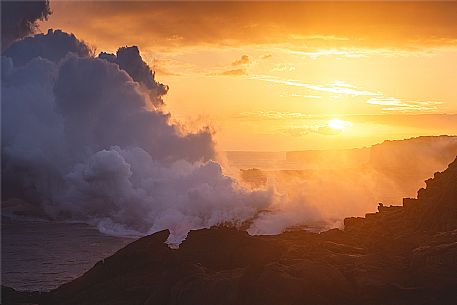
(396, 104)
(234, 72)
(243, 60)
(406, 25)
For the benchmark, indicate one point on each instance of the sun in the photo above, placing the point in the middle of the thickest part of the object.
(338, 124)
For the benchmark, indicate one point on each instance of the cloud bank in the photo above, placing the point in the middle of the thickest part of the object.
(303, 25)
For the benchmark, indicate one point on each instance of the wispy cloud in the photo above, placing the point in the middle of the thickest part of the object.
(312, 97)
(274, 115)
(336, 88)
(234, 72)
(237, 68)
(328, 129)
(331, 52)
(360, 52)
(343, 88)
(396, 104)
(282, 68)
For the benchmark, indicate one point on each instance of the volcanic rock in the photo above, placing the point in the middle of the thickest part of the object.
(399, 255)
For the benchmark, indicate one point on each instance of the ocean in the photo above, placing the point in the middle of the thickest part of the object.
(40, 256)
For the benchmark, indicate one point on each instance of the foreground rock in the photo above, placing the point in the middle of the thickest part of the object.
(400, 255)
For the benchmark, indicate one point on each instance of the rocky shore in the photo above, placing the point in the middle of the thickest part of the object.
(399, 255)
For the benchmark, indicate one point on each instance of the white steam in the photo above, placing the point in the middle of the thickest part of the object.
(83, 140)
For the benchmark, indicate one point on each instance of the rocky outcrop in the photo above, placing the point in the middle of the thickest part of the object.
(434, 210)
(399, 255)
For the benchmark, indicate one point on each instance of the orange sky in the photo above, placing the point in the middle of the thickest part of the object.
(289, 76)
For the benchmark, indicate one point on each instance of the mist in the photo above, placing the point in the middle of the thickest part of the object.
(327, 186)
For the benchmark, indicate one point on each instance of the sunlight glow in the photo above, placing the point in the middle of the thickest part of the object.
(338, 124)
(290, 80)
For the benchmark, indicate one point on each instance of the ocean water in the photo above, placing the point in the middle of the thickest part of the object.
(40, 256)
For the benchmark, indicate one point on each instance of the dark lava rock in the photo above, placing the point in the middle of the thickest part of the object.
(399, 255)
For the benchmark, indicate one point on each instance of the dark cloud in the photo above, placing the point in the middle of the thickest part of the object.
(243, 60)
(129, 59)
(19, 19)
(93, 95)
(54, 45)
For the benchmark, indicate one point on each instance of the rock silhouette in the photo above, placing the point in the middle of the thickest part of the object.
(399, 255)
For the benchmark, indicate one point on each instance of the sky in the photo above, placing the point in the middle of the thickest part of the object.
(280, 76)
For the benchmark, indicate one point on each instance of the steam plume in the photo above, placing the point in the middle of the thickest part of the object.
(80, 140)
(128, 59)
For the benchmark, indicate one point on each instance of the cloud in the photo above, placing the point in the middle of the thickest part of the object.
(351, 53)
(303, 131)
(273, 115)
(80, 142)
(129, 59)
(395, 104)
(234, 72)
(336, 88)
(19, 19)
(54, 45)
(243, 60)
(376, 97)
(387, 25)
(282, 68)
